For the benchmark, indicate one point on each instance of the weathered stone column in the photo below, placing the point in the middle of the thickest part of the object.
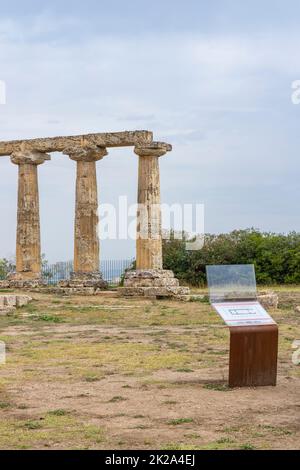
(150, 279)
(86, 241)
(28, 250)
(149, 236)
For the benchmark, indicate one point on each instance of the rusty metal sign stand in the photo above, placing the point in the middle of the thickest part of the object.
(253, 356)
(253, 333)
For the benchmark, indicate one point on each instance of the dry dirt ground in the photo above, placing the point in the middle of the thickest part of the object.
(111, 373)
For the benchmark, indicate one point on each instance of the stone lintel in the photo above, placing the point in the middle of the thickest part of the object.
(59, 144)
(154, 149)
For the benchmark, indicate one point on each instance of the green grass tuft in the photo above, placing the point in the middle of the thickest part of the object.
(178, 421)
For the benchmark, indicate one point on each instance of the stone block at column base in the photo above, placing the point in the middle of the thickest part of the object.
(26, 280)
(152, 283)
(4, 284)
(83, 283)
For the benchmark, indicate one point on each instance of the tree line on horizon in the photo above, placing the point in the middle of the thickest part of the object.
(276, 257)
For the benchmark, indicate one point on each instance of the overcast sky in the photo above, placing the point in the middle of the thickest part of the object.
(212, 78)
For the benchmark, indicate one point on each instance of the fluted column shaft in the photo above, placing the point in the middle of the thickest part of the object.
(86, 241)
(28, 246)
(149, 230)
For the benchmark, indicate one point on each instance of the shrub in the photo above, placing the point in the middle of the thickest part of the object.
(276, 256)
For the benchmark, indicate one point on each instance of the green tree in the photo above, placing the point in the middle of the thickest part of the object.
(276, 256)
(6, 266)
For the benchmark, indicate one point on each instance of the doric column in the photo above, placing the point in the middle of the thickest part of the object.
(28, 252)
(149, 233)
(149, 279)
(86, 241)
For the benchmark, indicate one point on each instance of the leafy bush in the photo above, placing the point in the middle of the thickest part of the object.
(9, 265)
(276, 256)
(6, 267)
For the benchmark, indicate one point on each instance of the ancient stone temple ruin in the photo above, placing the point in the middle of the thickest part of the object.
(148, 279)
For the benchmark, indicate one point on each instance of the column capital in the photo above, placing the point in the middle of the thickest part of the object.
(31, 157)
(156, 149)
(92, 153)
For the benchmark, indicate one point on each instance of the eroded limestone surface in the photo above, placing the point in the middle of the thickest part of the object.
(86, 242)
(58, 144)
(149, 229)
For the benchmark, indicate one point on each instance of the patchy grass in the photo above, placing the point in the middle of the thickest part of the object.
(49, 318)
(59, 412)
(92, 377)
(4, 405)
(117, 399)
(247, 447)
(92, 372)
(49, 432)
(218, 387)
(178, 421)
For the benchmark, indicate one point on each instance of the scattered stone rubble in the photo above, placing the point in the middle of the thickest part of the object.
(9, 303)
(268, 299)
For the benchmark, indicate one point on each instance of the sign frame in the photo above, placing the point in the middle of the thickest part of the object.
(253, 332)
(254, 314)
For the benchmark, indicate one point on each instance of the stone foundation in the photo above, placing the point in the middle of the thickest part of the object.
(4, 284)
(83, 284)
(72, 290)
(18, 281)
(27, 285)
(152, 283)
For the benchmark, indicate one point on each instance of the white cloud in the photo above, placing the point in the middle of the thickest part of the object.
(223, 101)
